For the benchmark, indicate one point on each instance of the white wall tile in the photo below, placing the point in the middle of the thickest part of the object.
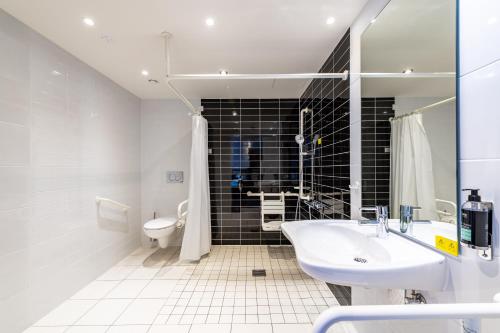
(479, 31)
(371, 10)
(480, 116)
(14, 187)
(166, 122)
(14, 145)
(65, 138)
(483, 174)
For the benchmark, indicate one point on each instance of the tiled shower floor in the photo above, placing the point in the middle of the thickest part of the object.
(149, 291)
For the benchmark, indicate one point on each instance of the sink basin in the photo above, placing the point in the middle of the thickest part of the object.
(343, 252)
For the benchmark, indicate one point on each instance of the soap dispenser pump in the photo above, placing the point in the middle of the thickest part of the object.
(476, 226)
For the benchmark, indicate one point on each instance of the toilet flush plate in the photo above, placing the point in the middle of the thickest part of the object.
(174, 177)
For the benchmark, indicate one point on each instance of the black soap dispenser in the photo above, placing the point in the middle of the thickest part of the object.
(476, 227)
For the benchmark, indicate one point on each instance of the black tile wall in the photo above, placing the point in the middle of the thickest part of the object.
(375, 151)
(329, 119)
(253, 148)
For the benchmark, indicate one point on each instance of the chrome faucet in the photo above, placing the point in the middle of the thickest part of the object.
(406, 218)
(382, 214)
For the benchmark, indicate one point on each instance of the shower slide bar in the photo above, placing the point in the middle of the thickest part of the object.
(100, 200)
(470, 312)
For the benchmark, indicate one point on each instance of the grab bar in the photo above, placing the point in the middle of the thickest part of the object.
(99, 200)
(287, 194)
(470, 311)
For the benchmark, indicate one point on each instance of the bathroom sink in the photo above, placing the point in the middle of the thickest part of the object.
(346, 253)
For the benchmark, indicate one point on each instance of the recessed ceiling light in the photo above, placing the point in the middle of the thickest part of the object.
(223, 72)
(408, 71)
(210, 21)
(330, 20)
(144, 72)
(88, 21)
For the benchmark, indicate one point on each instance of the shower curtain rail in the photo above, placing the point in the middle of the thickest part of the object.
(423, 75)
(307, 76)
(425, 108)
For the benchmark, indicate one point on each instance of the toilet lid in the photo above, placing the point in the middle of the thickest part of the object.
(160, 223)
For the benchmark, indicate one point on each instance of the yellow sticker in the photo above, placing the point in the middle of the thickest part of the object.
(319, 141)
(447, 245)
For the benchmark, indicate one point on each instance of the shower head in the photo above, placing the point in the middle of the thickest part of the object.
(299, 138)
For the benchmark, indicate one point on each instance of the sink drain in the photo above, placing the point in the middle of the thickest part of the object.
(360, 260)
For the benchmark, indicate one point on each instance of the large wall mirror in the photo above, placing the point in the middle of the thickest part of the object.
(408, 135)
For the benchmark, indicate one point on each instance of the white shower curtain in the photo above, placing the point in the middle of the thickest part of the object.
(196, 241)
(412, 179)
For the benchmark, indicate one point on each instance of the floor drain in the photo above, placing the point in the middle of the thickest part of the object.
(361, 260)
(258, 272)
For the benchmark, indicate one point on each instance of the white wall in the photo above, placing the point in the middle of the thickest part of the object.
(480, 138)
(166, 145)
(471, 279)
(440, 126)
(371, 10)
(67, 134)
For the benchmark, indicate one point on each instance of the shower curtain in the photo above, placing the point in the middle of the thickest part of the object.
(197, 239)
(412, 179)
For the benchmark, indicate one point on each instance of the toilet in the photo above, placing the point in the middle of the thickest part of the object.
(161, 228)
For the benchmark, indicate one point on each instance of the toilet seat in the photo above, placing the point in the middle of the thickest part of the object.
(160, 223)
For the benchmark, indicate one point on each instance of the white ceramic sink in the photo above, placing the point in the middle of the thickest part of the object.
(343, 252)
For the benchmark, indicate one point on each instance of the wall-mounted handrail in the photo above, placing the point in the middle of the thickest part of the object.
(287, 194)
(100, 200)
(339, 314)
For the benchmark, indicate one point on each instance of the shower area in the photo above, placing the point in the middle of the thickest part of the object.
(254, 149)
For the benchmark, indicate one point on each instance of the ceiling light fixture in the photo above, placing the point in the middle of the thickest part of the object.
(144, 72)
(223, 72)
(330, 20)
(408, 71)
(88, 21)
(210, 21)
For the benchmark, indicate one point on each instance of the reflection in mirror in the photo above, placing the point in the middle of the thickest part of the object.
(408, 135)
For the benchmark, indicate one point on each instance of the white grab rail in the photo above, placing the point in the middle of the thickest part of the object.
(472, 311)
(182, 215)
(99, 200)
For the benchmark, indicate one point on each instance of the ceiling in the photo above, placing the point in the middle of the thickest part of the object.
(411, 34)
(258, 36)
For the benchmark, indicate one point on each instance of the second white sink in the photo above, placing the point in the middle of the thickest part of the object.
(345, 253)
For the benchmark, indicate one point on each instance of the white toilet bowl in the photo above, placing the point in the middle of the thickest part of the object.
(160, 229)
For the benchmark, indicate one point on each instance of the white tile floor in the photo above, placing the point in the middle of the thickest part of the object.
(150, 291)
